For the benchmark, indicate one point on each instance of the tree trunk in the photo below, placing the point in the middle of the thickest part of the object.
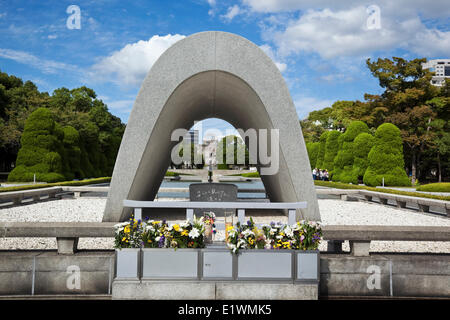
(439, 167)
(413, 168)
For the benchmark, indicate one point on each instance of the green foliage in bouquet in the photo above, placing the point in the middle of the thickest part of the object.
(303, 235)
(246, 236)
(158, 234)
(128, 234)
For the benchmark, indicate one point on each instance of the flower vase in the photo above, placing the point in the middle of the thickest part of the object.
(208, 233)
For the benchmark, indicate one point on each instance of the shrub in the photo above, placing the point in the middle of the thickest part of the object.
(343, 162)
(321, 152)
(331, 149)
(313, 150)
(339, 185)
(55, 184)
(386, 159)
(251, 175)
(361, 148)
(171, 174)
(39, 151)
(435, 187)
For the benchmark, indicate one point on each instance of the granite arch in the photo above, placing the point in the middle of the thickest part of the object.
(209, 74)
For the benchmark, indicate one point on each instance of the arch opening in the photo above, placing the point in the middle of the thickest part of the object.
(249, 94)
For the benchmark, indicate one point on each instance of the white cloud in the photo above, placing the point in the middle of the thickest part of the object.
(52, 36)
(212, 4)
(343, 33)
(268, 50)
(130, 64)
(304, 105)
(46, 66)
(429, 9)
(231, 13)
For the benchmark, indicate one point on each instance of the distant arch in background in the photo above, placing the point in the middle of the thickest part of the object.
(209, 75)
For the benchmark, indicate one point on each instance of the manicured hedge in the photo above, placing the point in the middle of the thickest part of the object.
(321, 152)
(331, 150)
(172, 174)
(39, 152)
(340, 185)
(57, 184)
(361, 148)
(435, 187)
(343, 162)
(313, 151)
(251, 175)
(386, 159)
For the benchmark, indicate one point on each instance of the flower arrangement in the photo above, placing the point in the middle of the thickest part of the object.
(158, 234)
(209, 219)
(304, 235)
(246, 236)
(128, 234)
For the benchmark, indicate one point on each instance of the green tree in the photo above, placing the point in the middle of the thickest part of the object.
(321, 152)
(407, 89)
(231, 146)
(343, 162)
(313, 150)
(38, 154)
(72, 154)
(331, 150)
(386, 159)
(362, 145)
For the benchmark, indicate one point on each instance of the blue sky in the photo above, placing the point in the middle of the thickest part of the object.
(320, 46)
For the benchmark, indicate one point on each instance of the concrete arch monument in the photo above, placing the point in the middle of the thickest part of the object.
(209, 75)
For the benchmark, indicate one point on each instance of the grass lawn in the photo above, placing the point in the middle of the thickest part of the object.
(339, 185)
(435, 187)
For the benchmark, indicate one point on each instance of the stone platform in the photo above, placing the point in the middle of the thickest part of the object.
(213, 290)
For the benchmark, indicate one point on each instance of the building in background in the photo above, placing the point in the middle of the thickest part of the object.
(192, 135)
(209, 151)
(442, 69)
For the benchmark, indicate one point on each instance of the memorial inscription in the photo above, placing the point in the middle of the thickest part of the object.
(212, 192)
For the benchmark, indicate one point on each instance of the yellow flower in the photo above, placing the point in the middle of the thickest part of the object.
(251, 241)
(126, 229)
(176, 227)
(229, 228)
(286, 244)
(185, 233)
(124, 238)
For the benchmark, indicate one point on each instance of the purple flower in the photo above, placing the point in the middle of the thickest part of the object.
(161, 242)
